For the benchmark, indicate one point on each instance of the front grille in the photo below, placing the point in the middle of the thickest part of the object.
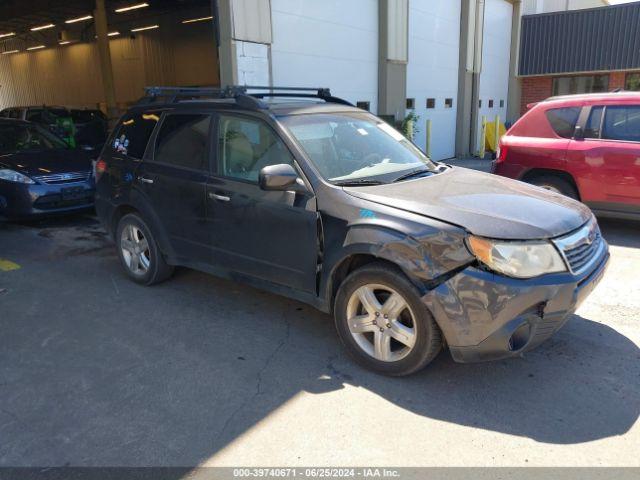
(52, 202)
(58, 178)
(580, 256)
(582, 248)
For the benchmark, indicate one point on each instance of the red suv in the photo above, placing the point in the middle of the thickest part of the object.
(584, 146)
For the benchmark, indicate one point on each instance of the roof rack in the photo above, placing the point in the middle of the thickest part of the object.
(240, 94)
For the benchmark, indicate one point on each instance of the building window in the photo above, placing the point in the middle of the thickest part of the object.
(479, 103)
(632, 82)
(448, 103)
(364, 105)
(490, 103)
(431, 103)
(581, 84)
(501, 103)
(411, 103)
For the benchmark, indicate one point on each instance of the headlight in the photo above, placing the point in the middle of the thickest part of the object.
(517, 259)
(11, 176)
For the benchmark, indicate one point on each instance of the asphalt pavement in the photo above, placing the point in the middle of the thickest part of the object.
(98, 371)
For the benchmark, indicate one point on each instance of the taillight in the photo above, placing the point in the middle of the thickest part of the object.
(100, 168)
(502, 153)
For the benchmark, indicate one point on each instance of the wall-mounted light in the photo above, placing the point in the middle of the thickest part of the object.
(79, 19)
(37, 47)
(142, 29)
(194, 20)
(64, 42)
(5, 35)
(10, 52)
(43, 27)
(111, 34)
(132, 7)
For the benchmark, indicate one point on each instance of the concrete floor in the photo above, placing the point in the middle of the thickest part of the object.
(95, 370)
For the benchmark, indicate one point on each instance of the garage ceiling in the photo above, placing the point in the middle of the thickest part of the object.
(20, 16)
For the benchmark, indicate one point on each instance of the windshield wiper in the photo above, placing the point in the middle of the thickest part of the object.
(355, 183)
(413, 173)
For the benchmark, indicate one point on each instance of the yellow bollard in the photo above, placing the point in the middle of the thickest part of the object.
(429, 138)
(483, 137)
(497, 130)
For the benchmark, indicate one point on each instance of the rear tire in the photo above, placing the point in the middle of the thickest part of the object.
(139, 253)
(383, 323)
(555, 184)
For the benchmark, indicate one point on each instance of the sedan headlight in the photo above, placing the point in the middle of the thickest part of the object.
(12, 176)
(517, 259)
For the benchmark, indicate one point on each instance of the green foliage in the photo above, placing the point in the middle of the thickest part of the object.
(409, 126)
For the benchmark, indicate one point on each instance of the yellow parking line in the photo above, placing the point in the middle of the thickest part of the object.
(8, 265)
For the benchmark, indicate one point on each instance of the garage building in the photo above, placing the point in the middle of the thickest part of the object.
(451, 62)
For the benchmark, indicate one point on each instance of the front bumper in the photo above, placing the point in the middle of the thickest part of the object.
(18, 200)
(485, 316)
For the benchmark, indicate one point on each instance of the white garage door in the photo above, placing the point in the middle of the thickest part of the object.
(496, 54)
(432, 72)
(328, 43)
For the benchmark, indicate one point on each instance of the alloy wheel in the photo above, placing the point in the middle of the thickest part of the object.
(381, 322)
(135, 250)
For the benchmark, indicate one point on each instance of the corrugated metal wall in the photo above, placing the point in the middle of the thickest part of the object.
(70, 75)
(600, 39)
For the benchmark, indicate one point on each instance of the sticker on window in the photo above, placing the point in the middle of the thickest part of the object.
(121, 144)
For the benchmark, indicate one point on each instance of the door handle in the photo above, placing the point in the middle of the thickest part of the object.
(222, 198)
(145, 180)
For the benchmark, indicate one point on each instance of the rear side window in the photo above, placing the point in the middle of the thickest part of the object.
(183, 141)
(563, 120)
(133, 134)
(622, 123)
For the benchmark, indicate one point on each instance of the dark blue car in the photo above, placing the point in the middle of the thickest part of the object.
(40, 174)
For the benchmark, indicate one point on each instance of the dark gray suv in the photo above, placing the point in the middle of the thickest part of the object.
(300, 193)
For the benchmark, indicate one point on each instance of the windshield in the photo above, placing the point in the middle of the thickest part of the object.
(356, 147)
(21, 137)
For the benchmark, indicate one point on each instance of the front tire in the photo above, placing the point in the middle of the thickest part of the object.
(383, 323)
(139, 253)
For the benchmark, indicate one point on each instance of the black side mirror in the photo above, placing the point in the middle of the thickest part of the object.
(281, 177)
(578, 133)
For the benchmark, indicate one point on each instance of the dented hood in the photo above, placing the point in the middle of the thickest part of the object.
(484, 204)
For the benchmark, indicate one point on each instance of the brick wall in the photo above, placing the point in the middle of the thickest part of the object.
(534, 89)
(617, 80)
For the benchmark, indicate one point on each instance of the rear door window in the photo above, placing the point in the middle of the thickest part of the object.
(563, 120)
(592, 128)
(622, 123)
(183, 141)
(133, 134)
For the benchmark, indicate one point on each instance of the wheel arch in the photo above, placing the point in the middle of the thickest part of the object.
(533, 173)
(138, 206)
(367, 244)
